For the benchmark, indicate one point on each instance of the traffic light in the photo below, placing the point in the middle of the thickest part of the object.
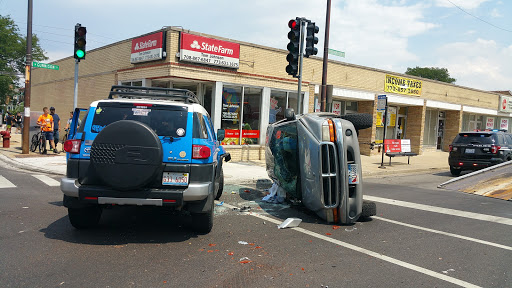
(311, 39)
(80, 35)
(293, 47)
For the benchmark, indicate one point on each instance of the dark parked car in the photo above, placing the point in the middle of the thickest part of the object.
(315, 159)
(479, 149)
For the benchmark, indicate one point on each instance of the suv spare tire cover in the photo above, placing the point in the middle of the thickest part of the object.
(126, 154)
(359, 120)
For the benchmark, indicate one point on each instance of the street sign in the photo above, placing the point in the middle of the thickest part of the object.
(381, 102)
(336, 53)
(44, 65)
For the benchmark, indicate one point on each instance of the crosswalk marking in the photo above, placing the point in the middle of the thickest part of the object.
(4, 183)
(47, 180)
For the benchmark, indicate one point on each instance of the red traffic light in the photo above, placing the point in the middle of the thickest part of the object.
(81, 31)
(293, 24)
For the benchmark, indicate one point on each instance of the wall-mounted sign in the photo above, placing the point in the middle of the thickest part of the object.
(148, 48)
(401, 85)
(199, 49)
(505, 104)
(489, 124)
(504, 124)
(336, 107)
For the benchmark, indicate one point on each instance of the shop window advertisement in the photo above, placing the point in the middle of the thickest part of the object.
(231, 115)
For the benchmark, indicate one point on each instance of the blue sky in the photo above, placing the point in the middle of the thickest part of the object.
(384, 34)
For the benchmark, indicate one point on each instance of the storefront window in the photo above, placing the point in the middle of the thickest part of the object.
(350, 107)
(233, 113)
(132, 83)
(230, 121)
(293, 102)
(429, 133)
(207, 98)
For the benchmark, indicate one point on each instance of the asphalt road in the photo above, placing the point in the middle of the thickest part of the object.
(452, 239)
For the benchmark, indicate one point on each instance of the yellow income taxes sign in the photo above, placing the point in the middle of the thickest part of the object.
(401, 85)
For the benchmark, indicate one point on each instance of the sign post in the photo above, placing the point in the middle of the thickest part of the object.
(382, 104)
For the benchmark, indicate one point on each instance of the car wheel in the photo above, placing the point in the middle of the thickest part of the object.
(454, 171)
(221, 185)
(359, 120)
(202, 223)
(126, 155)
(369, 209)
(85, 217)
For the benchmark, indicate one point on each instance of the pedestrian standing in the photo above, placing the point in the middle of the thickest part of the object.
(8, 121)
(19, 122)
(56, 126)
(46, 123)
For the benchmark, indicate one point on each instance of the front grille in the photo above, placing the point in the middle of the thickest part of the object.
(103, 153)
(329, 174)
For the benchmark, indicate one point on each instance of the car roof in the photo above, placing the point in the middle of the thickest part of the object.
(193, 107)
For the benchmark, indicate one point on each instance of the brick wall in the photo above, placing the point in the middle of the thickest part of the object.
(452, 127)
(367, 135)
(415, 127)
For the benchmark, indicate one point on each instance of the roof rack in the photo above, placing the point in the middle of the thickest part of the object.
(136, 92)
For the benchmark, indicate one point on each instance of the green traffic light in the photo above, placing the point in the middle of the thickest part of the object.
(80, 53)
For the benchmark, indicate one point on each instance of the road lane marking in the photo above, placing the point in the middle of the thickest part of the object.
(367, 252)
(4, 183)
(445, 233)
(447, 211)
(47, 180)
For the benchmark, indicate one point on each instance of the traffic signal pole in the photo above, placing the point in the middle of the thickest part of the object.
(299, 77)
(28, 69)
(323, 97)
(75, 97)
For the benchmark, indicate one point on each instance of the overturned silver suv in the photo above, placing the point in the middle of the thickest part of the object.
(315, 159)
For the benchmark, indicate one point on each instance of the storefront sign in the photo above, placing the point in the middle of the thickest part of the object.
(505, 104)
(336, 107)
(199, 49)
(489, 124)
(391, 121)
(401, 85)
(504, 124)
(392, 145)
(148, 48)
(381, 102)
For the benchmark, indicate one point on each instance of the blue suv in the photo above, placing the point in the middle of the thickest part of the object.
(143, 146)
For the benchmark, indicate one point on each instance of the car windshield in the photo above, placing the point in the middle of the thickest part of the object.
(164, 120)
(474, 138)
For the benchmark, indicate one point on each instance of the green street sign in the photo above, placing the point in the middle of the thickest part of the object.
(44, 65)
(336, 53)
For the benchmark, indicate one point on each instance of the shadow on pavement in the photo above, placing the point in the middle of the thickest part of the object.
(123, 225)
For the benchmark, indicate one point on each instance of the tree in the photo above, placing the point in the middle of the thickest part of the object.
(13, 48)
(434, 73)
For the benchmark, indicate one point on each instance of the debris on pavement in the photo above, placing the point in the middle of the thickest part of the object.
(220, 204)
(276, 194)
(289, 223)
(242, 242)
(245, 260)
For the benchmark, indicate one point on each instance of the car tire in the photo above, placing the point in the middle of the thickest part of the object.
(359, 120)
(85, 217)
(221, 185)
(454, 171)
(369, 209)
(202, 223)
(126, 155)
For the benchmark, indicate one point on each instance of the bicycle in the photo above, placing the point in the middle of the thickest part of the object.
(38, 141)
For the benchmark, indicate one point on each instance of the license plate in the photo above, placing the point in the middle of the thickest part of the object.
(470, 150)
(352, 174)
(179, 179)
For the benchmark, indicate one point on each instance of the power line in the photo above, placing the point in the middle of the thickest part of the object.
(478, 17)
(68, 29)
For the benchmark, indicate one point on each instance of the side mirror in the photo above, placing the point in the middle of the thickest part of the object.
(289, 114)
(221, 134)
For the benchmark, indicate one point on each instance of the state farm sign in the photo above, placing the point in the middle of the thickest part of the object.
(148, 48)
(199, 49)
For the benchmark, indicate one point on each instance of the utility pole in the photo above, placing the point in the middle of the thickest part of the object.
(323, 102)
(301, 58)
(28, 68)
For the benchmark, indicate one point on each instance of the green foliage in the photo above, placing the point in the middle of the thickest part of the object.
(13, 48)
(434, 73)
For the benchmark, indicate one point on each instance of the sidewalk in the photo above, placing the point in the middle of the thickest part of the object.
(235, 172)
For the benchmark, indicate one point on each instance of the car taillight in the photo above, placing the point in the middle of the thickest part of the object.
(200, 152)
(451, 148)
(328, 132)
(495, 149)
(72, 146)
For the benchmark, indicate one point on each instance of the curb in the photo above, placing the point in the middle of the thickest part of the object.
(475, 173)
(17, 164)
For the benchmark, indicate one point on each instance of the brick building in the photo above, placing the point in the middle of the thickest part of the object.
(244, 87)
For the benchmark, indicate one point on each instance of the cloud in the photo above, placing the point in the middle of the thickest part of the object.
(496, 14)
(480, 64)
(464, 4)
